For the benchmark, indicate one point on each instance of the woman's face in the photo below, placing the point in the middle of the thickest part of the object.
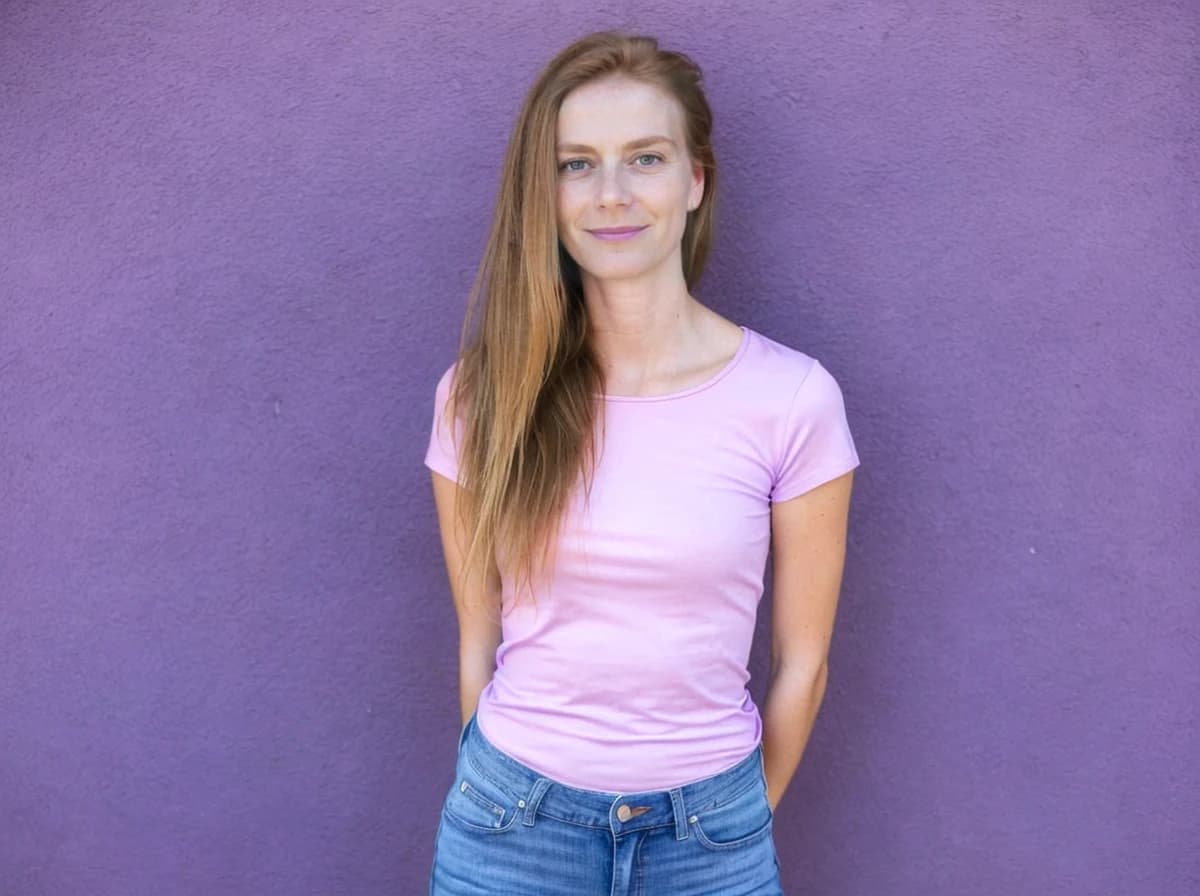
(623, 163)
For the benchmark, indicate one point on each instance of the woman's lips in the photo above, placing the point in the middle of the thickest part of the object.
(612, 235)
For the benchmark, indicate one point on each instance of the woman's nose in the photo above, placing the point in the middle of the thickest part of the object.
(614, 186)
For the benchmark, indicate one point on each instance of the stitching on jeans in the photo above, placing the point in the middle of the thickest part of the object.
(722, 800)
(542, 813)
(482, 773)
(480, 798)
(638, 889)
(612, 886)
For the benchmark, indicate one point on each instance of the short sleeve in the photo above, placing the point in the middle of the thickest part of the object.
(816, 445)
(442, 454)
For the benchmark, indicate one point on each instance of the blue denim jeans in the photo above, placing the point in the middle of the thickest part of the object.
(507, 830)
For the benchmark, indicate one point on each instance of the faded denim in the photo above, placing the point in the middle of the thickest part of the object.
(505, 830)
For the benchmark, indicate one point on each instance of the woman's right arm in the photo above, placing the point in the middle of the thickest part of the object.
(477, 605)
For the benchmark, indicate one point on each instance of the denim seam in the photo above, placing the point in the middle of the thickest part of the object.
(637, 869)
(471, 826)
(731, 798)
(604, 827)
(481, 771)
(480, 799)
(753, 837)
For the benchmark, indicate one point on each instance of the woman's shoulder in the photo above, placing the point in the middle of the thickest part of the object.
(776, 364)
(447, 378)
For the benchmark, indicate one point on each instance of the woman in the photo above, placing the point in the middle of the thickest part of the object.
(624, 457)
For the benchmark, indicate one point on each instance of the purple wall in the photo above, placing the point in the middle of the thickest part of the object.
(234, 253)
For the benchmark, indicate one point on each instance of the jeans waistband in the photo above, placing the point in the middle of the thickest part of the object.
(533, 792)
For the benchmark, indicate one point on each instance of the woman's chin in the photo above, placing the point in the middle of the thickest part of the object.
(614, 269)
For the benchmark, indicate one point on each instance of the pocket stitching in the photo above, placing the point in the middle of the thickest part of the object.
(741, 841)
(732, 844)
(483, 801)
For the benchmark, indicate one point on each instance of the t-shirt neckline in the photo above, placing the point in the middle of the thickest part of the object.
(699, 387)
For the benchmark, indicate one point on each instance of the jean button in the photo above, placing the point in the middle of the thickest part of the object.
(624, 814)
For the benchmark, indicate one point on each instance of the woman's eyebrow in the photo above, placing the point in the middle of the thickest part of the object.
(632, 144)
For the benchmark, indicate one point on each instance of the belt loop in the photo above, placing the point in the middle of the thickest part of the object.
(531, 802)
(681, 825)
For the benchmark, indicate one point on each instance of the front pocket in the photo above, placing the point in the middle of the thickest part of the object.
(476, 805)
(744, 819)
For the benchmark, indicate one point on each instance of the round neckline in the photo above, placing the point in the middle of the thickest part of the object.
(699, 387)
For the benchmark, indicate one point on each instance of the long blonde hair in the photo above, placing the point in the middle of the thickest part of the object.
(526, 383)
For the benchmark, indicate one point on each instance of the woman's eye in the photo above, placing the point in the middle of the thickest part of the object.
(569, 165)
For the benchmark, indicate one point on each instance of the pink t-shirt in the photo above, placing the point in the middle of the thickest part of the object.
(629, 673)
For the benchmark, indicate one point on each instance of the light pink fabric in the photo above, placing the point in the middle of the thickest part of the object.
(629, 673)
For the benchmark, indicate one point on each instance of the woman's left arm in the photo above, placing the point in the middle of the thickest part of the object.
(808, 544)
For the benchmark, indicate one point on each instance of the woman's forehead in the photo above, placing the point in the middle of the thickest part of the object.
(616, 112)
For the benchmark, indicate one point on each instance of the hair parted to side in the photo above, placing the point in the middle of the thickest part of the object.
(526, 384)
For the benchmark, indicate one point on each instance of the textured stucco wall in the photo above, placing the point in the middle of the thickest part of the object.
(234, 251)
